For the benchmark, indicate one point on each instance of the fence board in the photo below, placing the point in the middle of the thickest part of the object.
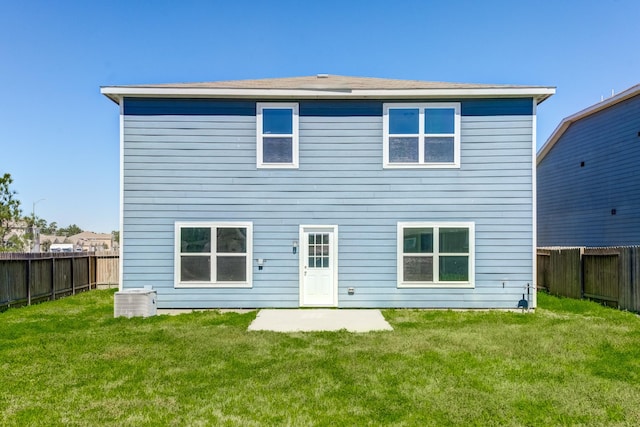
(62, 277)
(81, 279)
(40, 279)
(13, 281)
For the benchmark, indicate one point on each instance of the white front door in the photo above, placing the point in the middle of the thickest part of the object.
(318, 266)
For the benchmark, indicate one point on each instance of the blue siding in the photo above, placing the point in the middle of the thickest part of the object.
(156, 106)
(319, 108)
(574, 201)
(203, 168)
(341, 108)
(498, 107)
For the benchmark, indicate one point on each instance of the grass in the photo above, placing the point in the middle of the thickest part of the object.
(69, 362)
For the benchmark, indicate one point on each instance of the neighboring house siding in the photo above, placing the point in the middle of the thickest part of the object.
(202, 167)
(575, 203)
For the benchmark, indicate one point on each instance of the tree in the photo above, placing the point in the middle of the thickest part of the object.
(50, 229)
(69, 231)
(45, 246)
(115, 236)
(9, 212)
(33, 221)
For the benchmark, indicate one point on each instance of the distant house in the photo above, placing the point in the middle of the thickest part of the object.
(87, 241)
(588, 176)
(328, 191)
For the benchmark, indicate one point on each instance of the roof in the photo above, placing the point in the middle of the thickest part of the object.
(595, 108)
(326, 86)
(90, 235)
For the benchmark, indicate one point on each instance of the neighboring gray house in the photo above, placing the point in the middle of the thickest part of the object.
(328, 191)
(589, 179)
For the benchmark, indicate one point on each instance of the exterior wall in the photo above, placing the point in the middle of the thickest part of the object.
(196, 161)
(575, 202)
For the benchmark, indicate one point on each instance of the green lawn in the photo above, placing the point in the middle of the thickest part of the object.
(70, 362)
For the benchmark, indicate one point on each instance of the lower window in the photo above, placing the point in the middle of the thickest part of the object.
(213, 254)
(435, 254)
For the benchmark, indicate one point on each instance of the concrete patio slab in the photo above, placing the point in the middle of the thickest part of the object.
(319, 319)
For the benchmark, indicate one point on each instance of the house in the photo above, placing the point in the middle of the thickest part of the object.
(588, 181)
(328, 191)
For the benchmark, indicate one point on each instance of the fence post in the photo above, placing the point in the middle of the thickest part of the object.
(73, 282)
(29, 282)
(53, 279)
(581, 272)
(89, 271)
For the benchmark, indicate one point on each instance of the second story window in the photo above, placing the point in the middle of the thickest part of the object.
(422, 135)
(277, 135)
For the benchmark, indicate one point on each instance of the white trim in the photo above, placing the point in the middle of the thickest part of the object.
(595, 108)
(539, 93)
(121, 213)
(534, 204)
(248, 283)
(436, 283)
(301, 261)
(421, 135)
(293, 106)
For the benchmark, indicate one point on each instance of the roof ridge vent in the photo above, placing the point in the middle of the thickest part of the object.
(322, 75)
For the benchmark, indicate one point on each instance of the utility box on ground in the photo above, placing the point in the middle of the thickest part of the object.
(135, 303)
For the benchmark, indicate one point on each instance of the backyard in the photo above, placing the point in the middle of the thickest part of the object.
(69, 362)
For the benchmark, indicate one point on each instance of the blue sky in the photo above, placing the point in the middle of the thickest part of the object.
(59, 137)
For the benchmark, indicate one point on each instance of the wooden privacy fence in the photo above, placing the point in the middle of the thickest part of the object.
(609, 275)
(30, 278)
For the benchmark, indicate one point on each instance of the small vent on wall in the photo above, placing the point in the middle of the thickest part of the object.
(581, 164)
(613, 211)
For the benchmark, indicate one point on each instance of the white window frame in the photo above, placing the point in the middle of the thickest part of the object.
(293, 106)
(421, 135)
(436, 283)
(213, 254)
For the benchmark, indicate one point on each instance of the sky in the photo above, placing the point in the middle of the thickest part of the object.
(59, 137)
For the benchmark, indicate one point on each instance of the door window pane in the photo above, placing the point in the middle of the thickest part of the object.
(277, 149)
(318, 250)
(418, 268)
(195, 268)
